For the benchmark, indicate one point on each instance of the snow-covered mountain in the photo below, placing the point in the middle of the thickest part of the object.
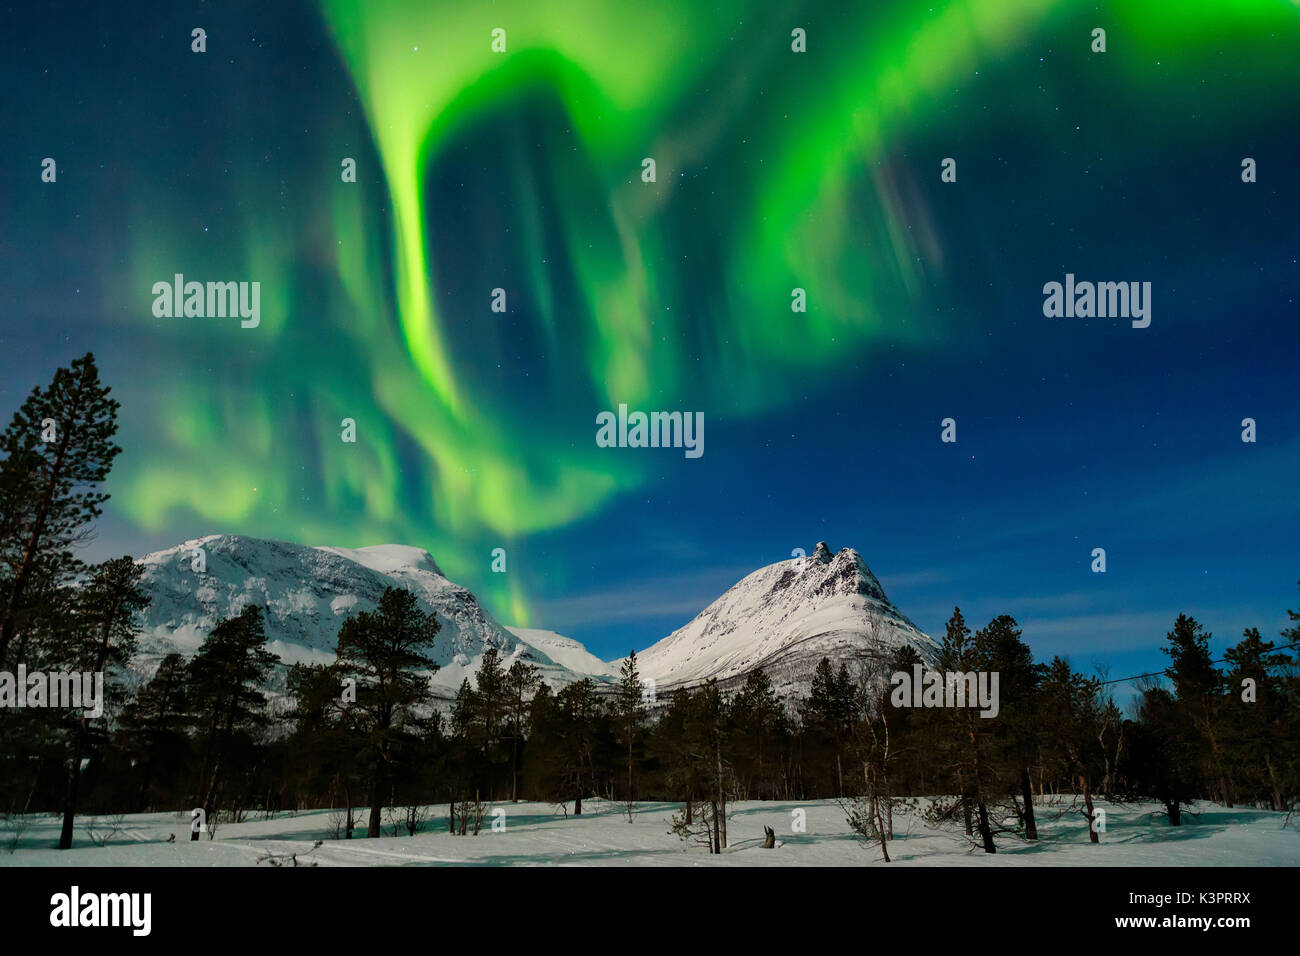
(784, 618)
(566, 652)
(307, 592)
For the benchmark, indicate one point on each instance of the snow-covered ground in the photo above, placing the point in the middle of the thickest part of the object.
(540, 834)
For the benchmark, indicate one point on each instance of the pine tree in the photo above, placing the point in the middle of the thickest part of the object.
(224, 685)
(464, 710)
(319, 747)
(492, 700)
(1289, 772)
(580, 709)
(676, 754)
(58, 450)
(520, 681)
(960, 653)
(829, 711)
(1070, 711)
(910, 732)
(1002, 651)
(870, 812)
(1198, 689)
(152, 727)
(759, 721)
(1258, 734)
(1161, 759)
(103, 639)
(542, 761)
(629, 711)
(707, 741)
(490, 691)
(386, 652)
(467, 751)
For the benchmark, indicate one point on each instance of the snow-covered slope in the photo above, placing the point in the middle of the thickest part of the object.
(784, 618)
(307, 592)
(566, 652)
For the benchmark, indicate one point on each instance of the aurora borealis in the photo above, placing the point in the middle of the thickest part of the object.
(521, 170)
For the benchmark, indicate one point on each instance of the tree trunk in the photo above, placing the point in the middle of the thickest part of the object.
(720, 826)
(205, 768)
(376, 804)
(880, 826)
(629, 765)
(1224, 791)
(986, 831)
(36, 779)
(965, 804)
(1279, 803)
(1087, 802)
(70, 795)
(1027, 790)
(351, 824)
(514, 769)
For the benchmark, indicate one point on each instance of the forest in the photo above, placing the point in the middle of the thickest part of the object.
(232, 731)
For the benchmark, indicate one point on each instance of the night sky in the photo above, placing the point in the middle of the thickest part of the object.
(775, 170)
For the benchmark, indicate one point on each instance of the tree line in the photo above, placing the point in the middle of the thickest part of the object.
(363, 734)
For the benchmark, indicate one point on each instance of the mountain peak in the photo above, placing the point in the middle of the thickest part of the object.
(389, 558)
(386, 559)
(784, 618)
(307, 592)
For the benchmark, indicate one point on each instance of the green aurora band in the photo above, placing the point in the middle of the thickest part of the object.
(354, 278)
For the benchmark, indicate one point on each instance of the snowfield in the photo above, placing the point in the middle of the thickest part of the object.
(541, 835)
